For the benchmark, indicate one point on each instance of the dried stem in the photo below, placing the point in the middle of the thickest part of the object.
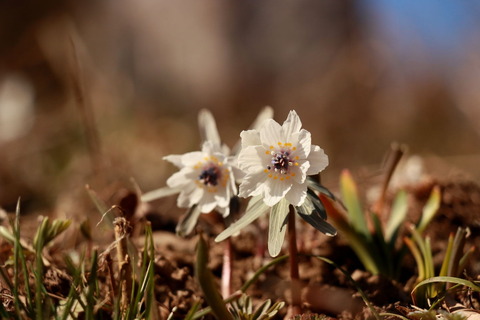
(122, 229)
(295, 306)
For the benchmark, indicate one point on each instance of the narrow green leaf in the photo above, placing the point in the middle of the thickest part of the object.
(316, 221)
(472, 285)
(352, 202)
(457, 252)
(417, 256)
(397, 216)
(311, 204)
(448, 256)
(360, 245)
(277, 227)
(188, 222)
(256, 207)
(430, 209)
(207, 282)
(158, 193)
(316, 186)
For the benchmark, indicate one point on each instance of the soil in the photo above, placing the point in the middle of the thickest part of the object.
(325, 289)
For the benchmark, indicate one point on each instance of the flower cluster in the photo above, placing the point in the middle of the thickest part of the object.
(273, 167)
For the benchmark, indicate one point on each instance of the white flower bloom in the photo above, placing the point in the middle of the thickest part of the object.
(205, 179)
(277, 159)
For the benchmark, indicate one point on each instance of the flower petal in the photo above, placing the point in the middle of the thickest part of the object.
(190, 196)
(303, 144)
(292, 124)
(181, 178)
(208, 127)
(271, 134)
(253, 184)
(250, 138)
(253, 159)
(275, 191)
(297, 194)
(318, 160)
(175, 159)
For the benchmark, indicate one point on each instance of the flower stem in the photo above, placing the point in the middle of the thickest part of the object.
(295, 306)
(227, 269)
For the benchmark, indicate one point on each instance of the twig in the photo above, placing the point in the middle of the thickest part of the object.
(122, 229)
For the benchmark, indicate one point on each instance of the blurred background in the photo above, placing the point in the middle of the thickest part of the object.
(97, 92)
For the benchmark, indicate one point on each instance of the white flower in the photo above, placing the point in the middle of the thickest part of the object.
(277, 160)
(205, 179)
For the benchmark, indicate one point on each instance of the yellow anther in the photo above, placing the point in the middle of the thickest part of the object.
(271, 147)
(267, 152)
(265, 170)
(270, 175)
(279, 143)
(294, 148)
(276, 177)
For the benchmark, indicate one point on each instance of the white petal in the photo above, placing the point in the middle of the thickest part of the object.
(303, 144)
(208, 127)
(222, 197)
(300, 171)
(264, 114)
(175, 159)
(297, 194)
(250, 138)
(224, 211)
(292, 124)
(253, 159)
(253, 184)
(207, 203)
(318, 160)
(192, 158)
(271, 134)
(275, 191)
(181, 178)
(189, 196)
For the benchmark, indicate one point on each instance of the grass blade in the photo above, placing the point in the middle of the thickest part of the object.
(207, 282)
(352, 202)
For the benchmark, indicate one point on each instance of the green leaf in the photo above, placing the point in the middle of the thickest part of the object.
(352, 202)
(208, 284)
(316, 186)
(158, 193)
(315, 220)
(277, 227)
(430, 209)
(188, 221)
(256, 207)
(358, 242)
(397, 215)
(472, 285)
(312, 204)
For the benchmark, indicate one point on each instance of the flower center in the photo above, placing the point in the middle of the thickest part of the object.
(210, 175)
(282, 161)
